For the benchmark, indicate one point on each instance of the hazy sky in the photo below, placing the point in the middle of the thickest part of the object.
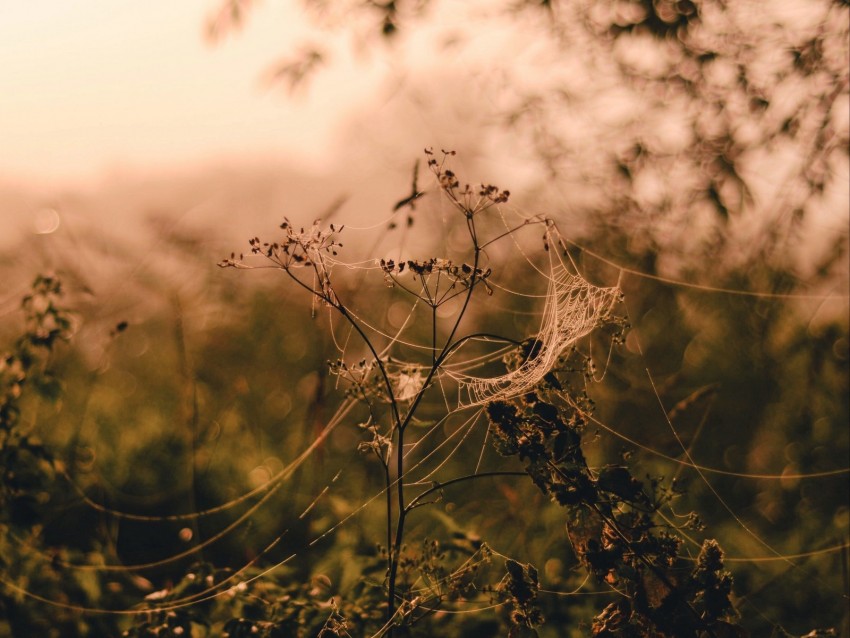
(91, 86)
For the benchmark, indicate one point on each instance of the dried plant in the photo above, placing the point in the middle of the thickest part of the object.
(536, 412)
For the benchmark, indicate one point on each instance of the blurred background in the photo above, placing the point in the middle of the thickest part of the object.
(696, 152)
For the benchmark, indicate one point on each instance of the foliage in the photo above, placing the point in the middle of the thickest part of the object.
(641, 114)
(28, 489)
(611, 510)
(179, 545)
(613, 525)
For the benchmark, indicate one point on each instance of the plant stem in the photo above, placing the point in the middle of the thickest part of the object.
(460, 479)
(433, 334)
(388, 482)
(438, 360)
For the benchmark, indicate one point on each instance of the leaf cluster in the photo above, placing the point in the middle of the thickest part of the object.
(613, 525)
(246, 605)
(26, 464)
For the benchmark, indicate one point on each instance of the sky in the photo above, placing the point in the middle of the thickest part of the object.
(94, 89)
(91, 87)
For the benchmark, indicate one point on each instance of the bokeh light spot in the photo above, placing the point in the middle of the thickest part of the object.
(46, 221)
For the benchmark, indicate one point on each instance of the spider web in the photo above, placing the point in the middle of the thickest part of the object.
(573, 308)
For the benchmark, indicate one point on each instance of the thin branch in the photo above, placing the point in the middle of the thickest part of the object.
(460, 479)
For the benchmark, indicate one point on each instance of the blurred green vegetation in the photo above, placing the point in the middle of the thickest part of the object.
(224, 382)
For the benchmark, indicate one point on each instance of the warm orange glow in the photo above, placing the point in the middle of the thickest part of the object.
(90, 87)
